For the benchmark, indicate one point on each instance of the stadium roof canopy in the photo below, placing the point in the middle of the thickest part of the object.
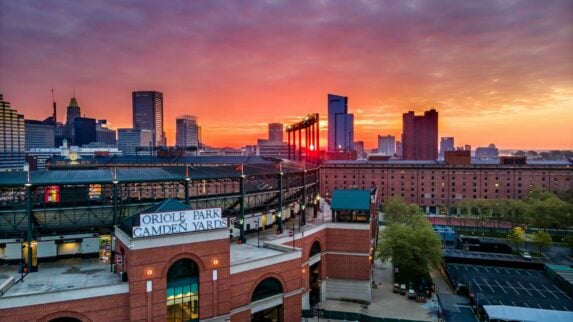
(143, 174)
(525, 314)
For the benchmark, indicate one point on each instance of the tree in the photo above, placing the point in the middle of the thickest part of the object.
(396, 210)
(542, 239)
(516, 212)
(409, 241)
(516, 236)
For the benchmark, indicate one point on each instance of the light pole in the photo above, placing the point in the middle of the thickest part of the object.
(280, 177)
(293, 234)
(186, 184)
(258, 233)
(28, 186)
(302, 216)
(242, 209)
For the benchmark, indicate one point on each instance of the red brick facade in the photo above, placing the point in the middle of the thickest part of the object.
(109, 308)
(344, 256)
(433, 184)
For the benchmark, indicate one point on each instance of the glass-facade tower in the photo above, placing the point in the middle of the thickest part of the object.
(148, 114)
(340, 124)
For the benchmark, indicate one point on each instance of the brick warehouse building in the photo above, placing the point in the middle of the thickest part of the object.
(197, 274)
(433, 184)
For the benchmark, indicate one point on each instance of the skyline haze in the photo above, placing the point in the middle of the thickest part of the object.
(497, 71)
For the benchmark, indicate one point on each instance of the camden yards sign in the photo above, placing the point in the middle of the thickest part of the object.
(167, 223)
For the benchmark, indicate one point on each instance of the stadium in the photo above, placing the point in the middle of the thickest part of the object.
(169, 241)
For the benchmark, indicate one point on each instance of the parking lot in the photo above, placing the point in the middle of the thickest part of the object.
(493, 285)
(449, 252)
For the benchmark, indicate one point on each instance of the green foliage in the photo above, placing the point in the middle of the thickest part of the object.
(542, 239)
(409, 240)
(516, 236)
(542, 209)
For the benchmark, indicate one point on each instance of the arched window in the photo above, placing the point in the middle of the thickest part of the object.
(65, 319)
(267, 288)
(315, 249)
(183, 291)
(314, 275)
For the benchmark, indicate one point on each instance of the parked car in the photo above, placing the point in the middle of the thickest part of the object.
(396, 288)
(411, 294)
(526, 256)
(402, 289)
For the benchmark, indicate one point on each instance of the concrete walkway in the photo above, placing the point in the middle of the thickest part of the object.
(385, 303)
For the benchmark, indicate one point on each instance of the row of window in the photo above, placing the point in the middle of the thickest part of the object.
(443, 178)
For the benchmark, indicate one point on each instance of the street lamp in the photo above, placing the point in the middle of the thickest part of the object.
(293, 235)
(302, 215)
(258, 233)
(28, 186)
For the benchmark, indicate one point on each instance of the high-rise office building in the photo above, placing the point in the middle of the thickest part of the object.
(39, 134)
(105, 135)
(399, 149)
(12, 137)
(446, 144)
(59, 134)
(187, 131)
(359, 148)
(274, 145)
(128, 140)
(420, 136)
(73, 112)
(387, 144)
(148, 114)
(84, 131)
(275, 132)
(340, 124)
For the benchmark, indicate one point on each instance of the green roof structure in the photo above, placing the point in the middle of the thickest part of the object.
(167, 205)
(73, 102)
(350, 199)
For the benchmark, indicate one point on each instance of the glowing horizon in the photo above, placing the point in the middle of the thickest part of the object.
(496, 72)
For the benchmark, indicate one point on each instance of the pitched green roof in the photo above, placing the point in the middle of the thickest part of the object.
(351, 200)
(167, 206)
(73, 102)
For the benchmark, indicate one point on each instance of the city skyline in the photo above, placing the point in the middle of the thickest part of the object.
(478, 64)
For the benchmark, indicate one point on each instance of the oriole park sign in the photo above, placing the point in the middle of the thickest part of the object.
(167, 223)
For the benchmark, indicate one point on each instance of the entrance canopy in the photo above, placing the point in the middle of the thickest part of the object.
(525, 314)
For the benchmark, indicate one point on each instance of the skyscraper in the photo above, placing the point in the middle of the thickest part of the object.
(387, 144)
(105, 135)
(84, 131)
(187, 131)
(275, 132)
(340, 124)
(446, 144)
(359, 148)
(420, 136)
(39, 134)
(73, 112)
(12, 137)
(399, 149)
(148, 114)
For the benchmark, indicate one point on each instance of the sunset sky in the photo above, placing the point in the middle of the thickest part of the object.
(497, 71)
